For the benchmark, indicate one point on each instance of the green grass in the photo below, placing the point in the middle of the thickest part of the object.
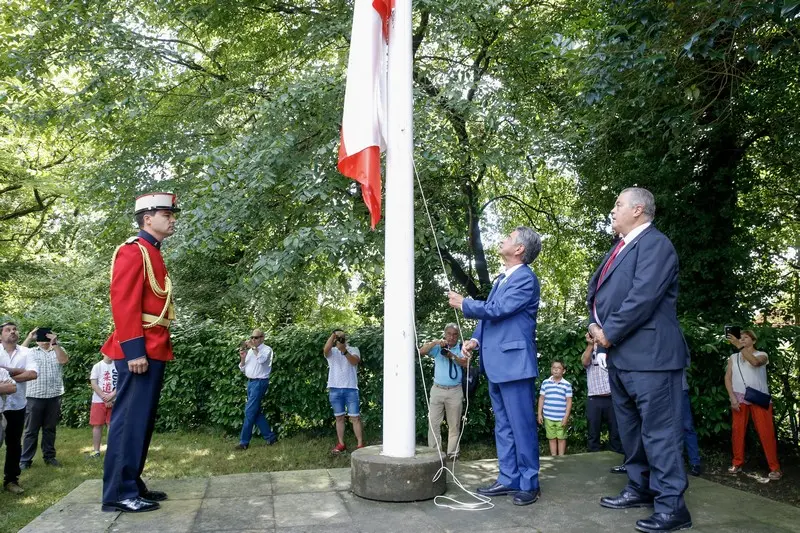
(177, 455)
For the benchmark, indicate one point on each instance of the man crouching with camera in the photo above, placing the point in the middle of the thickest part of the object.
(343, 362)
(446, 394)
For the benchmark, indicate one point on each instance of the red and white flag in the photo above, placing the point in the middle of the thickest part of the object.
(363, 135)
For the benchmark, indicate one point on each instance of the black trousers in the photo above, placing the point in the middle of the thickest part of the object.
(132, 421)
(599, 409)
(648, 407)
(15, 421)
(40, 413)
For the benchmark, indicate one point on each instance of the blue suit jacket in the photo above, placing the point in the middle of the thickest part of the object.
(507, 328)
(636, 305)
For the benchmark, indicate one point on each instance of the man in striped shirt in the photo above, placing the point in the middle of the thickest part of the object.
(555, 404)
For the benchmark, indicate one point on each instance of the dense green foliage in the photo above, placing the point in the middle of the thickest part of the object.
(534, 113)
(204, 388)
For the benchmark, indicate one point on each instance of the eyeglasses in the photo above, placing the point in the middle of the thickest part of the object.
(256, 337)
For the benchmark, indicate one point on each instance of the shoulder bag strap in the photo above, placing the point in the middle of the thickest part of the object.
(738, 356)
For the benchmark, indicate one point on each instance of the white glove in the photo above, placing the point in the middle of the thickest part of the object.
(601, 360)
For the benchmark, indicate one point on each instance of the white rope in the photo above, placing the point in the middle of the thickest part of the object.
(483, 503)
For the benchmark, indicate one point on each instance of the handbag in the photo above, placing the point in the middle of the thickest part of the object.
(754, 396)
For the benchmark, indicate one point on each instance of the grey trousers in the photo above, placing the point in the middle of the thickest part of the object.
(40, 414)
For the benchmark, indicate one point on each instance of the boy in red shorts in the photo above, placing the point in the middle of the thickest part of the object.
(104, 386)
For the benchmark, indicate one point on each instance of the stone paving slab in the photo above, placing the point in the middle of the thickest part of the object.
(320, 501)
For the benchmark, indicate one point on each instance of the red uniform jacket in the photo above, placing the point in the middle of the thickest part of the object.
(131, 295)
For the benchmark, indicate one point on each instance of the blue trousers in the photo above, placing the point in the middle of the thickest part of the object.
(253, 415)
(132, 421)
(515, 433)
(689, 435)
(648, 406)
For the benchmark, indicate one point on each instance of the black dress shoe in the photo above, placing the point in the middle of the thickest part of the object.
(154, 495)
(526, 497)
(659, 522)
(131, 505)
(695, 470)
(496, 489)
(626, 500)
(618, 469)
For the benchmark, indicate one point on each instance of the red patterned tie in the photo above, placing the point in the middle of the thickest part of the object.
(619, 246)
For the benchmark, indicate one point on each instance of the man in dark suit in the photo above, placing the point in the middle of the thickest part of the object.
(506, 335)
(631, 303)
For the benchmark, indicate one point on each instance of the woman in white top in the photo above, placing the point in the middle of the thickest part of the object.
(748, 368)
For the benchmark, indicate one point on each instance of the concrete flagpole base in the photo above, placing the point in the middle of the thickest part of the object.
(396, 479)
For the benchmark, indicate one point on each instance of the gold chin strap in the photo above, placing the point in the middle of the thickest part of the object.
(168, 312)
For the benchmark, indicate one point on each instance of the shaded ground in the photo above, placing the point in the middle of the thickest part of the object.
(320, 501)
(753, 477)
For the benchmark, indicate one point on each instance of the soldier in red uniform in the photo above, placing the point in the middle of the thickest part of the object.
(142, 308)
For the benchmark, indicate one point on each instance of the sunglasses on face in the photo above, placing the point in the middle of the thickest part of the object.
(257, 337)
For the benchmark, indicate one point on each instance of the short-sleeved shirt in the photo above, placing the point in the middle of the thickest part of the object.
(555, 398)
(18, 359)
(597, 379)
(754, 376)
(4, 376)
(106, 376)
(50, 382)
(442, 373)
(341, 374)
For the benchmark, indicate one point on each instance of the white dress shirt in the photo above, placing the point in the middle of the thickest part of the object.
(17, 359)
(257, 362)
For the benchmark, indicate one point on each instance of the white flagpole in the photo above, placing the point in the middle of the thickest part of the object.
(399, 343)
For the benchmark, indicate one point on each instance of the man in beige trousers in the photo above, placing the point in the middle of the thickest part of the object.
(446, 394)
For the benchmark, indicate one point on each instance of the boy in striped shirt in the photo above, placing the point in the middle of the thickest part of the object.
(555, 404)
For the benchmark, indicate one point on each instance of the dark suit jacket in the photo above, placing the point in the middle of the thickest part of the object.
(507, 328)
(636, 305)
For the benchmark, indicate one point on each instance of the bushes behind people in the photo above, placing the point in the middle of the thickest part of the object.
(203, 386)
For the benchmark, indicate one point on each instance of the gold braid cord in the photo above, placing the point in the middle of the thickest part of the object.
(149, 275)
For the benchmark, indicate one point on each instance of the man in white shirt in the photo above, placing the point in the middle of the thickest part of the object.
(343, 362)
(256, 363)
(14, 358)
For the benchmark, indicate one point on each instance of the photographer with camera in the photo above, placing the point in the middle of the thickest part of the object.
(43, 408)
(256, 364)
(746, 381)
(446, 394)
(343, 362)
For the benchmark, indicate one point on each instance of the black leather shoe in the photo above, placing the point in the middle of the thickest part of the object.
(496, 489)
(270, 442)
(695, 470)
(626, 500)
(618, 469)
(52, 462)
(241, 447)
(154, 495)
(659, 522)
(131, 505)
(526, 497)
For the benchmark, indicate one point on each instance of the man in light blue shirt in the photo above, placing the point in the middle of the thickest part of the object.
(446, 394)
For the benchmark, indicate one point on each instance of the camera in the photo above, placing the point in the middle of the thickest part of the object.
(341, 339)
(447, 353)
(41, 334)
(736, 331)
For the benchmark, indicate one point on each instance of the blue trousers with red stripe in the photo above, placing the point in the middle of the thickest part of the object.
(132, 421)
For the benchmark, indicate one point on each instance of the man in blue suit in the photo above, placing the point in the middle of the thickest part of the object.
(631, 302)
(506, 335)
